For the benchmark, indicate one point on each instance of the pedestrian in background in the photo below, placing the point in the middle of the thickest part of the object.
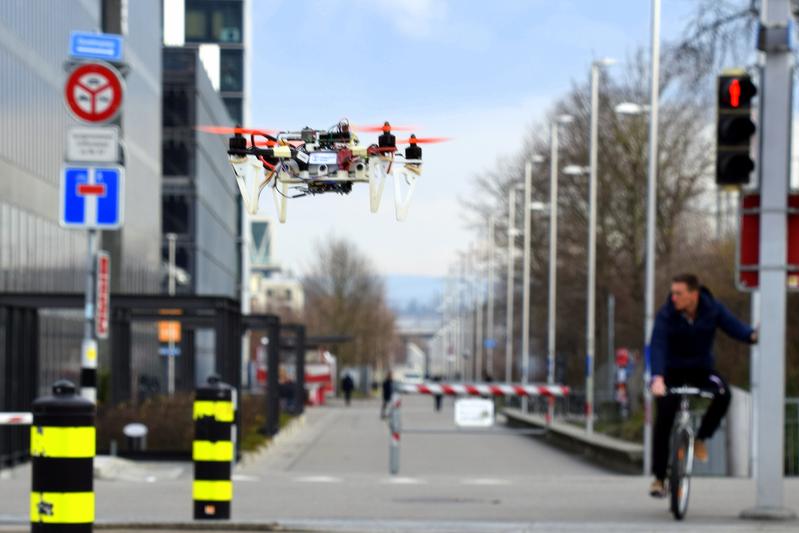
(438, 398)
(347, 385)
(388, 391)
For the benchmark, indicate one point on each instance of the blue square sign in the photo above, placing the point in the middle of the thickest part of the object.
(92, 197)
(87, 45)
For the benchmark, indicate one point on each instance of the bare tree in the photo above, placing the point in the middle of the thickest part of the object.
(345, 296)
(684, 168)
(719, 34)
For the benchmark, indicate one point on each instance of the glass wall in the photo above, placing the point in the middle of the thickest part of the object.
(232, 70)
(234, 107)
(217, 21)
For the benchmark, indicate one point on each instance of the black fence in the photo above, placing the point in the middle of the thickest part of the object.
(20, 374)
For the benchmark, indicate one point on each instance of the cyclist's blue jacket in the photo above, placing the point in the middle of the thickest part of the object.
(679, 343)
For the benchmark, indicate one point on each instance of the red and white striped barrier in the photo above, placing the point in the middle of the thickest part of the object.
(16, 419)
(484, 389)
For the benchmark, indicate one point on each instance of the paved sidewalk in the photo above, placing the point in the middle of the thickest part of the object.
(332, 475)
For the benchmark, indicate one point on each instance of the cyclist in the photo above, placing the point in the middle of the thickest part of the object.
(681, 354)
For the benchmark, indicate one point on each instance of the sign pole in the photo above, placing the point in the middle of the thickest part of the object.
(171, 238)
(91, 197)
(88, 370)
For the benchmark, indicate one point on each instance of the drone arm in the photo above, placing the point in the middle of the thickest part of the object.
(248, 171)
(280, 195)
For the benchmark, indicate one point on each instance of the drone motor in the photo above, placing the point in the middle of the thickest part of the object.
(413, 151)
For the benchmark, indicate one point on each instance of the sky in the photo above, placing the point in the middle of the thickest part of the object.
(479, 72)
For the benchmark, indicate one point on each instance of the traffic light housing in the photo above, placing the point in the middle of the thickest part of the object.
(734, 128)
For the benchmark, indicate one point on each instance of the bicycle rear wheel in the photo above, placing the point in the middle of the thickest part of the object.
(682, 456)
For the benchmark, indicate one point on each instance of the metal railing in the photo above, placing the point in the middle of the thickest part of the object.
(571, 408)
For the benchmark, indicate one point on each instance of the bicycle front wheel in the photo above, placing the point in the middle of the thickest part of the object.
(682, 455)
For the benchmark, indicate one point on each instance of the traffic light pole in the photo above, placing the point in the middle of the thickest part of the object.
(774, 167)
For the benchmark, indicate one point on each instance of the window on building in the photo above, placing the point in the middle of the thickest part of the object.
(288, 294)
(176, 158)
(218, 21)
(234, 106)
(183, 258)
(176, 107)
(261, 245)
(232, 70)
(175, 214)
(179, 59)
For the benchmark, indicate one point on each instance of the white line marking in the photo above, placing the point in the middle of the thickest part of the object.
(484, 481)
(244, 477)
(317, 479)
(403, 481)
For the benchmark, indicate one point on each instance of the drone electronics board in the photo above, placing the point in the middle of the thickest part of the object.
(310, 162)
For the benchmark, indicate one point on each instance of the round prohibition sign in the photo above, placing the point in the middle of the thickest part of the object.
(93, 92)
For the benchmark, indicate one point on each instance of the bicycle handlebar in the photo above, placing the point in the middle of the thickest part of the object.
(690, 391)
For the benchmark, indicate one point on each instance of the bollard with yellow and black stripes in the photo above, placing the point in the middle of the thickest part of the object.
(62, 460)
(213, 450)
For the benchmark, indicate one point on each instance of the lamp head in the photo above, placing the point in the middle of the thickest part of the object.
(630, 108)
(575, 170)
(605, 62)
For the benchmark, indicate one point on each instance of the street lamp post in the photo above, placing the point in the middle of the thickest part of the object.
(461, 324)
(649, 296)
(553, 256)
(490, 301)
(509, 294)
(651, 206)
(528, 179)
(526, 205)
(479, 343)
(513, 232)
(591, 289)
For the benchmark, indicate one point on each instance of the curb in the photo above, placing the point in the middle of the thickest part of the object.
(173, 526)
(287, 431)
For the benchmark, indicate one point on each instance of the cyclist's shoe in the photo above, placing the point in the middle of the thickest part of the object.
(700, 451)
(658, 489)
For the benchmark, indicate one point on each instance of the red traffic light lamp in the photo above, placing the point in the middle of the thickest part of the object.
(734, 128)
(736, 91)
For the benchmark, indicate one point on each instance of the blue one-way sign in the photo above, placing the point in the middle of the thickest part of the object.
(87, 45)
(169, 350)
(92, 197)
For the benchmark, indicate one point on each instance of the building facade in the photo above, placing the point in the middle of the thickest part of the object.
(36, 255)
(284, 297)
(203, 84)
(216, 28)
(200, 196)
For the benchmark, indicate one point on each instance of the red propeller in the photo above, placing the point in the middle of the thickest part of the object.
(227, 130)
(385, 127)
(423, 140)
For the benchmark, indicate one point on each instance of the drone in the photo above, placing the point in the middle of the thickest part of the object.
(310, 162)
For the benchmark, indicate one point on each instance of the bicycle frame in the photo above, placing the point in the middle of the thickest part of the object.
(680, 488)
(683, 423)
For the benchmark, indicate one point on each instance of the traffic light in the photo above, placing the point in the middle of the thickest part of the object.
(734, 128)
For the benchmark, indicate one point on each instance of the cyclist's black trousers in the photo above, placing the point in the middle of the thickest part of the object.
(668, 406)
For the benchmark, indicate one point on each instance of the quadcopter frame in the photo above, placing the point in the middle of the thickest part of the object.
(252, 177)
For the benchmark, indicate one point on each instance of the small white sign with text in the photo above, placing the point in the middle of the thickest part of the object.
(98, 144)
(474, 412)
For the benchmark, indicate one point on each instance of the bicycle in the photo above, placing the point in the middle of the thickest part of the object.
(682, 450)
